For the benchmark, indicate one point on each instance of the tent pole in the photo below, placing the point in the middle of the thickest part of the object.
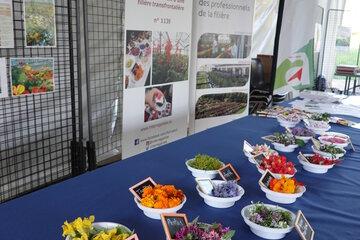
(276, 45)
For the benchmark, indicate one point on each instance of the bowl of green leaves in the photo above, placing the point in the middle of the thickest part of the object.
(204, 166)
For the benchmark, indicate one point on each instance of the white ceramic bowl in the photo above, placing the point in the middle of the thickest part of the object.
(277, 175)
(318, 131)
(105, 225)
(328, 155)
(314, 168)
(288, 124)
(218, 202)
(266, 232)
(336, 134)
(323, 138)
(284, 198)
(282, 148)
(202, 173)
(155, 213)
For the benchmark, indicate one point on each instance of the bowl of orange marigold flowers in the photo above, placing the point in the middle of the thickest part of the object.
(160, 199)
(283, 190)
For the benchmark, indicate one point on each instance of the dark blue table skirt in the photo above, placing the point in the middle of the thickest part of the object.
(331, 202)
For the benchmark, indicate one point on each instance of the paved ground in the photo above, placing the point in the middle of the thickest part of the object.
(340, 83)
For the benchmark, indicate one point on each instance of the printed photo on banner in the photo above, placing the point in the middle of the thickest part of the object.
(222, 76)
(40, 23)
(6, 26)
(138, 58)
(158, 102)
(213, 45)
(3, 79)
(32, 76)
(223, 104)
(171, 57)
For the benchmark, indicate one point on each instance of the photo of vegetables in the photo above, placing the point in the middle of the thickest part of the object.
(213, 45)
(223, 104)
(171, 57)
(40, 23)
(138, 58)
(222, 75)
(158, 102)
(32, 75)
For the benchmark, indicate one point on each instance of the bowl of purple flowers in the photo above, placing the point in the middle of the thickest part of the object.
(198, 230)
(223, 195)
(302, 133)
(268, 221)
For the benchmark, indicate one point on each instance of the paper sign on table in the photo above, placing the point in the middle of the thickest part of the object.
(248, 147)
(137, 189)
(228, 173)
(316, 143)
(259, 158)
(303, 227)
(303, 157)
(172, 223)
(269, 138)
(205, 184)
(266, 178)
(133, 237)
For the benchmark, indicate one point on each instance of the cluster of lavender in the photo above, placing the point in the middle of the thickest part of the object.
(226, 190)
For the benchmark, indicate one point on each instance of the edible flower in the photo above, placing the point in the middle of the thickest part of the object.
(162, 196)
(284, 185)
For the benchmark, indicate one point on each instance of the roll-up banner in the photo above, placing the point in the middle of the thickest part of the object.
(156, 73)
(295, 64)
(220, 68)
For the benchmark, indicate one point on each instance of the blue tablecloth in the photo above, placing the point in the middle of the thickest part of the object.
(331, 201)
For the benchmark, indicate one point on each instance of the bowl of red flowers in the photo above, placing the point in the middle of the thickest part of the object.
(278, 166)
(315, 163)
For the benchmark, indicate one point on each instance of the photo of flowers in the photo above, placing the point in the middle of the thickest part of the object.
(40, 23)
(171, 57)
(213, 45)
(222, 76)
(158, 102)
(223, 104)
(32, 76)
(138, 58)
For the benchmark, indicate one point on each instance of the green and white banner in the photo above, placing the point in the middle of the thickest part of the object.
(295, 63)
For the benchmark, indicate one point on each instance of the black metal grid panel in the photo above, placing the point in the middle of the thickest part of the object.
(36, 131)
(105, 54)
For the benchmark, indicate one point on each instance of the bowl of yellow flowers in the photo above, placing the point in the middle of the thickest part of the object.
(85, 228)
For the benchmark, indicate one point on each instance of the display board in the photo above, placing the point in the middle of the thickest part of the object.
(3, 79)
(220, 69)
(156, 73)
(7, 24)
(295, 64)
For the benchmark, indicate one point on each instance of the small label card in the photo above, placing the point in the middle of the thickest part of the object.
(288, 130)
(266, 178)
(316, 143)
(172, 223)
(133, 237)
(270, 138)
(137, 189)
(248, 147)
(205, 184)
(259, 158)
(228, 173)
(303, 157)
(302, 226)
